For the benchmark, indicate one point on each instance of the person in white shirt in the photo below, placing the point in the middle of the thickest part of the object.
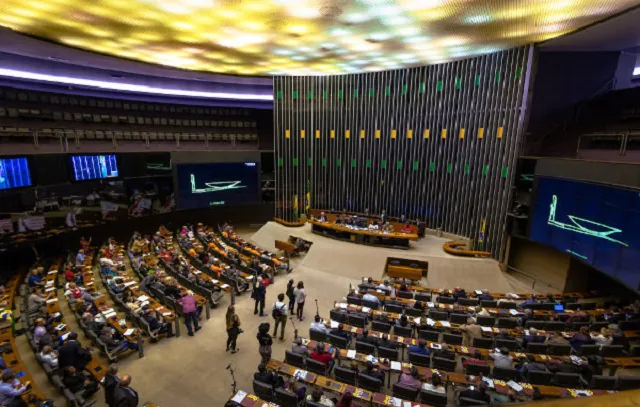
(317, 325)
(319, 398)
(604, 338)
(385, 286)
(49, 356)
(106, 262)
(435, 385)
(370, 297)
(279, 311)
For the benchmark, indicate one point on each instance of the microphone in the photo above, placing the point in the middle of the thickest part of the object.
(228, 367)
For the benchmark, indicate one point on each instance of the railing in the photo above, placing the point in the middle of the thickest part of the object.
(617, 144)
(535, 280)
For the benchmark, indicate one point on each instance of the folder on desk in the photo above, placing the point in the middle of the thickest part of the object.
(60, 327)
(240, 395)
(334, 324)
(486, 329)
(515, 386)
(130, 283)
(430, 305)
(129, 331)
(489, 382)
(224, 286)
(416, 320)
(430, 322)
(446, 324)
(52, 300)
(396, 365)
(48, 290)
(513, 312)
(351, 354)
(167, 314)
(366, 309)
(143, 298)
(343, 306)
(53, 272)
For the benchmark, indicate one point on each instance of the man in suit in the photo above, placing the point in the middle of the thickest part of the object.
(322, 217)
(125, 396)
(444, 353)
(72, 354)
(533, 337)
(110, 382)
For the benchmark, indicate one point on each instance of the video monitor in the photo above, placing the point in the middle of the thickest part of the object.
(87, 167)
(14, 173)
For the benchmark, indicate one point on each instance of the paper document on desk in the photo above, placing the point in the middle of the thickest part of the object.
(489, 382)
(351, 354)
(196, 272)
(370, 358)
(48, 290)
(486, 329)
(435, 346)
(240, 395)
(366, 309)
(60, 327)
(515, 386)
(478, 292)
(396, 365)
(143, 298)
(130, 283)
(300, 374)
(513, 312)
(249, 277)
(343, 306)
(214, 281)
(445, 324)
(431, 305)
(53, 272)
(224, 286)
(167, 314)
(50, 282)
(129, 331)
(52, 300)
(430, 322)
(334, 324)
(143, 303)
(395, 402)
(416, 320)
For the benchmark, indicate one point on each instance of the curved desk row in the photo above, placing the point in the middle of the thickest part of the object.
(363, 236)
(332, 215)
(458, 249)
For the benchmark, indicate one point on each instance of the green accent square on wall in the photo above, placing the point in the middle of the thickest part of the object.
(458, 83)
(280, 162)
(478, 79)
(432, 166)
(371, 92)
(353, 163)
(324, 162)
(497, 76)
(519, 72)
(355, 93)
(505, 172)
(449, 168)
(295, 161)
(338, 162)
(466, 169)
(415, 165)
(399, 165)
(310, 94)
(324, 94)
(485, 169)
(294, 94)
(309, 162)
(340, 94)
(404, 89)
(279, 93)
(387, 90)
(368, 164)
(439, 86)
(421, 88)
(383, 164)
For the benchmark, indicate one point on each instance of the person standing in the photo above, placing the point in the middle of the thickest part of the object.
(279, 312)
(190, 311)
(233, 329)
(264, 342)
(291, 296)
(259, 295)
(300, 295)
(125, 396)
(110, 382)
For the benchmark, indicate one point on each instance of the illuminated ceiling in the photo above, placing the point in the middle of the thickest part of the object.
(300, 37)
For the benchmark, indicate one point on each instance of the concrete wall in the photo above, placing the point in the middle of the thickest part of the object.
(547, 265)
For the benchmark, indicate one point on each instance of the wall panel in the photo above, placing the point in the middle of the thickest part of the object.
(435, 143)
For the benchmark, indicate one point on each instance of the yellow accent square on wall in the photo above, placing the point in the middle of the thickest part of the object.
(347, 133)
(287, 133)
(462, 133)
(301, 133)
(333, 134)
(317, 133)
(393, 133)
(377, 133)
(409, 133)
(444, 133)
(500, 130)
(426, 133)
(481, 132)
(361, 133)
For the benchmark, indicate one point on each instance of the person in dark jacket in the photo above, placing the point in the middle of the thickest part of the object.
(259, 294)
(110, 382)
(124, 395)
(78, 382)
(290, 295)
(72, 354)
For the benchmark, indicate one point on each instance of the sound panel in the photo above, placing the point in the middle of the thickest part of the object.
(436, 143)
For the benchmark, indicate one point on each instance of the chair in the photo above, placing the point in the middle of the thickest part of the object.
(458, 318)
(263, 390)
(345, 375)
(477, 370)
(419, 359)
(413, 312)
(338, 316)
(357, 320)
(318, 336)
(507, 305)
(503, 373)
(452, 339)
(396, 309)
(556, 326)
(405, 331)
(575, 326)
(486, 321)
(539, 377)
(468, 302)
(446, 300)
(387, 353)
(588, 306)
(354, 300)
(483, 343)
(294, 359)
(408, 295)
(534, 347)
(628, 382)
(507, 343)
(444, 364)
(423, 297)
(571, 380)
(507, 323)
(586, 350)
(629, 325)
(432, 398)
(405, 392)
(612, 351)
(338, 341)
(316, 367)
(489, 303)
(559, 350)
(604, 382)
(597, 326)
(366, 348)
(370, 304)
(466, 401)
(313, 404)
(286, 399)
(380, 326)
(369, 383)
(428, 335)
(438, 315)
(535, 324)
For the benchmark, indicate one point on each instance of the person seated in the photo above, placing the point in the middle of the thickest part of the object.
(70, 275)
(339, 331)
(529, 301)
(338, 220)
(581, 338)
(508, 297)
(154, 319)
(366, 296)
(365, 338)
(41, 335)
(80, 258)
(49, 356)
(35, 279)
(74, 292)
(384, 286)
(92, 323)
(407, 228)
(11, 389)
(420, 349)
(560, 366)
(532, 366)
(36, 300)
(318, 397)
(476, 360)
(444, 353)
(116, 342)
(172, 290)
(458, 293)
(533, 337)
(265, 376)
(504, 335)
(113, 283)
(485, 296)
(436, 385)
(295, 387)
(410, 379)
(386, 342)
(299, 347)
(348, 221)
(322, 217)
(502, 359)
(77, 382)
(481, 312)
(320, 355)
(477, 393)
(604, 338)
(403, 321)
(388, 228)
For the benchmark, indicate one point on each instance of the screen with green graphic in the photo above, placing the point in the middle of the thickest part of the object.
(214, 184)
(597, 224)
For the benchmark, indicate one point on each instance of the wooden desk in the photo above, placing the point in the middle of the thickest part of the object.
(380, 399)
(249, 400)
(288, 370)
(363, 236)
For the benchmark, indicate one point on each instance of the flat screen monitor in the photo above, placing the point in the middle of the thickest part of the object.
(14, 173)
(86, 167)
(558, 307)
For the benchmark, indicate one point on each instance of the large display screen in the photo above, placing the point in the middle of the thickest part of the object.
(598, 224)
(87, 167)
(14, 173)
(213, 184)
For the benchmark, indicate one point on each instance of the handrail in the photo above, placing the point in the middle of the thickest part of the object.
(288, 224)
(452, 248)
(534, 278)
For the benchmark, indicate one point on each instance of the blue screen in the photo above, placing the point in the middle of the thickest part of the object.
(94, 167)
(214, 184)
(597, 224)
(14, 173)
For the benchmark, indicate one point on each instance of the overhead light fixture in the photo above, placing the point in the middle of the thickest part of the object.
(127, 87)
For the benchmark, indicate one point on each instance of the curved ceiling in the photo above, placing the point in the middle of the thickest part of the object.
(300, 37)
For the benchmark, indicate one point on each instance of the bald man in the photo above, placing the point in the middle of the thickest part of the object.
(124, 395)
